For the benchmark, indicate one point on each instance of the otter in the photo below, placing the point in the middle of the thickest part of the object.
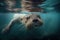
(30, 21)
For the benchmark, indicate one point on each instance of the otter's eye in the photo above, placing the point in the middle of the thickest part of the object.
(27, 18)
(21, 19)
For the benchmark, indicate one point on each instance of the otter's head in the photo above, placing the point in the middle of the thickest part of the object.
(32, 20)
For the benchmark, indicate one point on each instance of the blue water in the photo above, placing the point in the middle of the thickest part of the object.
(51, 26)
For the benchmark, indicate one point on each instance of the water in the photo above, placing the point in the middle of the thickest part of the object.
(50, 26)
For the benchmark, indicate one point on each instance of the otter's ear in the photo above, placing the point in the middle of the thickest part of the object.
(28, 17)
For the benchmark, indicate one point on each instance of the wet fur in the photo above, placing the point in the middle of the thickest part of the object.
(27, 21)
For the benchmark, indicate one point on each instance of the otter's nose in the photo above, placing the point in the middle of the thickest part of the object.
(35, 20)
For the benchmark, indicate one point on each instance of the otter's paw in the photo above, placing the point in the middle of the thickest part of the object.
(5, 30)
